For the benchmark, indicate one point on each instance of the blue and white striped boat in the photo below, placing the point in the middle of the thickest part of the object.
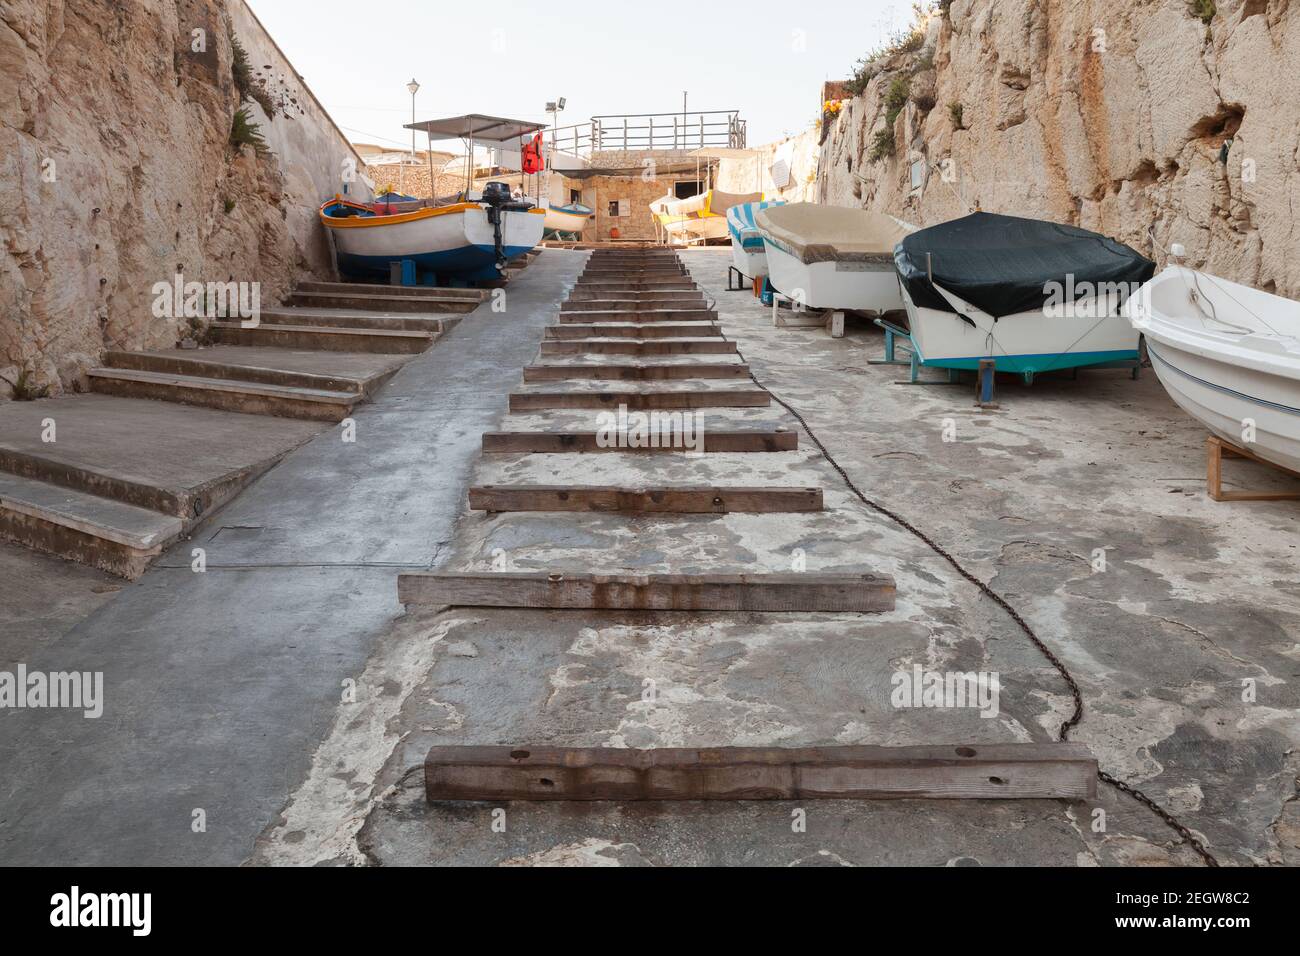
(747, 247)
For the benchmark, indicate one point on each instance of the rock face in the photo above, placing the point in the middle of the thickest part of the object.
(1109, 114)
(117, 172)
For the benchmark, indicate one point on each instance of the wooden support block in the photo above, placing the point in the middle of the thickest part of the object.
(639, 347)
(636, 373)
(835, 325)
(1056, 771)
(806, 592)
(1215, 450)
(557, 443)
(634, 330)
(799, 320)
(679, 500)
(642, 400)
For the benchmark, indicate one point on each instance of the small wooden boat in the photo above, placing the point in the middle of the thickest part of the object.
(698, 218)
(830, 257)
(1033, 296)
(747, 249)
(1229, 355)
(571, 219)
(461, 241)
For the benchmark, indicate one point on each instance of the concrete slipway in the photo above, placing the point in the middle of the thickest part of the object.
(224, 688)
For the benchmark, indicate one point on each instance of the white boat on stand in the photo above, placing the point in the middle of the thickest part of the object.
(830, 257)
(747, 249)
(1228, 355)
(698, 218)
(1029, 296)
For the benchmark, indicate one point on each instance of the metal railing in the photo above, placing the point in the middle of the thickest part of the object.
(651, 131)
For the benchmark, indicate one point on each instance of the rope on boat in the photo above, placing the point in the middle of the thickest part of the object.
(1076, 694)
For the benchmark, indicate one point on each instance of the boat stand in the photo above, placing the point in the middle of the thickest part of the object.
(736, 280)
(893, 334)
(1215, 451)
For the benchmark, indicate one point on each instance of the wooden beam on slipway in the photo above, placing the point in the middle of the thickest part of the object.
(1062, 771)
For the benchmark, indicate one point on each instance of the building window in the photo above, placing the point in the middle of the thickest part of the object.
(686, 188)
(618, 208)
(575, 196)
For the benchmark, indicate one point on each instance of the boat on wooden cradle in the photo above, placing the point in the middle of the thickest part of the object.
(698, 218)
(568, 220)
(1228, 355)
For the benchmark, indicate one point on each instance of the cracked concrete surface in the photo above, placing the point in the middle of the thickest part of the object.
(1197, 608)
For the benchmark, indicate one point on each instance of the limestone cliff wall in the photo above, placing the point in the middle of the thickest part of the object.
(116, 172)
(1111, 114)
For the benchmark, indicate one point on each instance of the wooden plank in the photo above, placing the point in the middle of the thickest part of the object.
(1047, 771)
(557, 443)
(639, 347)
(637, 372)
(641, 400)
(647, 314)
(670, 499)
(1215, 450)
(634, 330)
(806, 592)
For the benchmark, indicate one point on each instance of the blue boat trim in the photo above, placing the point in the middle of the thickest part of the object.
(1045, 362)
(467, 262)
(1264, 402)
(740, 218)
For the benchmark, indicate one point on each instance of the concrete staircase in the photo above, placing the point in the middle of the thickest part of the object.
(170, 436)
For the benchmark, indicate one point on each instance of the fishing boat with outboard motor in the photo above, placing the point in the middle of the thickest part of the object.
(1031, 296)
(460, 241)
(1228, 355)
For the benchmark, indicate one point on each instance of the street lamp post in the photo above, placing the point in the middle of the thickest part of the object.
(413, 87)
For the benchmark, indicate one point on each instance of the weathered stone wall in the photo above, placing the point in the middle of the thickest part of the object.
(116, 173)
(1111, 114)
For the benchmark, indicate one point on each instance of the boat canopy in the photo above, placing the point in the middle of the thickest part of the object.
(478, 127)
(1005, 264)
(814, 233)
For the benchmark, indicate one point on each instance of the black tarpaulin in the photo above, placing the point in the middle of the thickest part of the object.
(1004, 264)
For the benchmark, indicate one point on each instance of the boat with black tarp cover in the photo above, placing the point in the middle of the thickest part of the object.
(1034, 296)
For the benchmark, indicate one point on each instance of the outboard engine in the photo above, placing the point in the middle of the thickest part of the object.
(497, 198)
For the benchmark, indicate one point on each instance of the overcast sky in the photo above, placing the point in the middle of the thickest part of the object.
(766, 58)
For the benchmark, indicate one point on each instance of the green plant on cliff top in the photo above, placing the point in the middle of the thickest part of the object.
(905, 41)
(1204, 10)
(955, 114)
(244, 132)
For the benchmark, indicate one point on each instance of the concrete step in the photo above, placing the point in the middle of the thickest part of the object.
(250, 398)
(359, 373)
(649, 313)
(322, 338)
(614, 304)
(350, 319)
(383, 302)
(118, 538)
(368, 289)
(177, 459)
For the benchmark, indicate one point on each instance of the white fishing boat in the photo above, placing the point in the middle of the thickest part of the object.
(747, 249)
(830, 257)
(698, 218)
(1229, 355)
(1033, 296)
(572, 218)
(463, 241)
